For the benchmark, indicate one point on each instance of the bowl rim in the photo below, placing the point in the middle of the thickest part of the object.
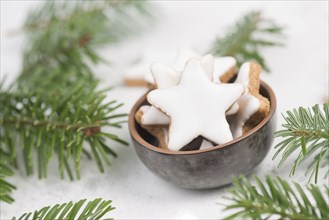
(142, 142)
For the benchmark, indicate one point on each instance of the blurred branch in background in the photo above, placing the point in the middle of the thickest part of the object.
(245, 39)
(55, 107)
(62, 35)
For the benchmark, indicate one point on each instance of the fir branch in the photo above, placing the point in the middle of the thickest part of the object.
(251, 33)
(306, 130)
(93, 210)
(57, 123)
(54, 107)
(6, 188)
(276, 199)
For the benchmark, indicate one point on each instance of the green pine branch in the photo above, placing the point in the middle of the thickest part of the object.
(276, 199)
(245, 39)
(306, 131)
(6, 188)
(58, 124)
(93, 210)
(55, 107)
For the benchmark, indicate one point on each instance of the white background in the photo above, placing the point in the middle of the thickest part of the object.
(299, 77)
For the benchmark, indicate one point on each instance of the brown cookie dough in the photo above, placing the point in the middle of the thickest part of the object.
(264, 108)
(228, 75)
(135, 82)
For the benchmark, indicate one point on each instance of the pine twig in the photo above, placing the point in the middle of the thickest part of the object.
(306, 130)
(57, 124)
(6, 188)
(276, 199)
(246, 37)
(55, 107)
(93, 210)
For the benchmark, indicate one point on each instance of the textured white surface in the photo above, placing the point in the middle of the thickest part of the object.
(299, 77)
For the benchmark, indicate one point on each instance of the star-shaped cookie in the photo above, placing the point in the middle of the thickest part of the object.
(196, 106)
(166, 77)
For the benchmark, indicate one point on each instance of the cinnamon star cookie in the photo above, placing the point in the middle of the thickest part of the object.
(196, 106)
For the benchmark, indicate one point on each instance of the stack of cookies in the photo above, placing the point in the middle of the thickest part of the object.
(195, 105)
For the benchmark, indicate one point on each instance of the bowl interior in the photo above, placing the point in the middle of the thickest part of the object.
(148, 141)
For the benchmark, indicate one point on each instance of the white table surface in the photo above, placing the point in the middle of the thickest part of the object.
(299, 77)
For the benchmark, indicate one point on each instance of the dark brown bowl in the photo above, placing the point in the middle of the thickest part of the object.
(211, 167)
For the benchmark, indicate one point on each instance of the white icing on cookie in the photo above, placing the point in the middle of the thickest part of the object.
(152, 116)
(164, 76)
(144, 108)
(196, 106)
(206, 144)
(248, 104)
(221, 66)
(207, 62)
(182, 56)
(233, 110)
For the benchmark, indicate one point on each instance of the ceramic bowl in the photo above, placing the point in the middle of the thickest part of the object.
(211, 167)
